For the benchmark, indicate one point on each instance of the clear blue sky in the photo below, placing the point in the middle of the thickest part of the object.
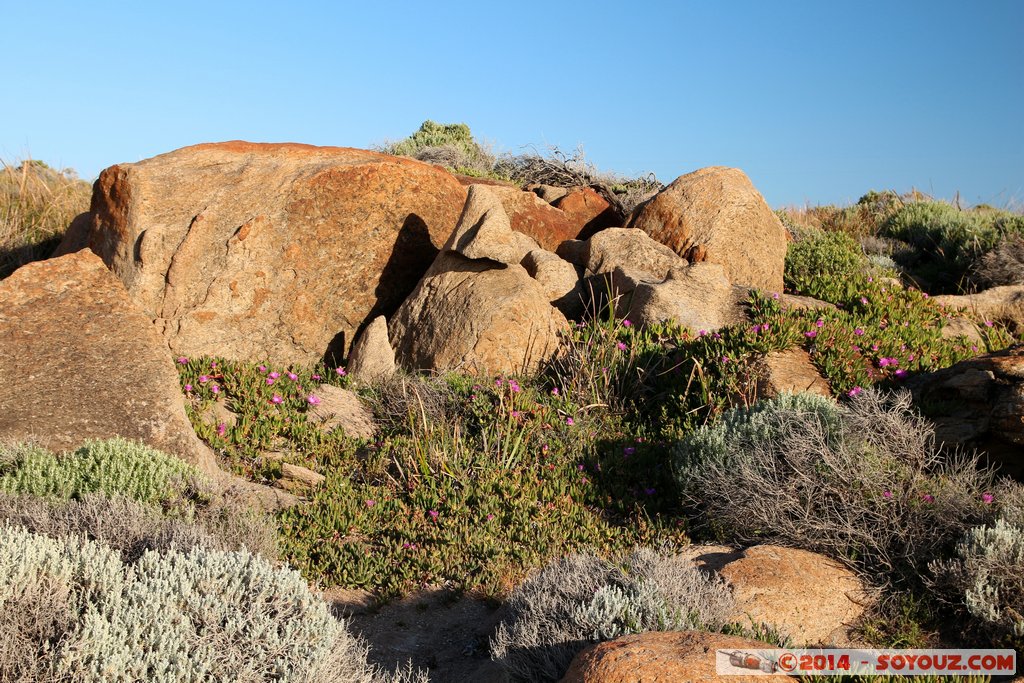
(818, 101)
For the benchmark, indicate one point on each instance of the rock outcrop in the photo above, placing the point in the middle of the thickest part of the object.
(342, 409)
(697, 296)
(372, 358)
(478, 315)
(1003, 304)
(532, 216)
(79, 360)
(679, 656)
(273, 251)
(716, 215)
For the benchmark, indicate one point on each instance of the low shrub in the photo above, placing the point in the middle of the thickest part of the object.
(176, 616)
(1004, 265)
(450, 145)
(985, 579)
(114, 466)
(37, 203)
(825, 265)
(582, 599)
(863, 482)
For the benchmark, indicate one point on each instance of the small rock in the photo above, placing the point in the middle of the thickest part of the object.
(484, 231)
(341, 408)
(808, 596)
(697, 296)
(296, 477)
(676, 657)
(372, 357)
(1003, 304)
(792, 372)
(559, 279)
(549, 193)
(630, 249)
(590, 210)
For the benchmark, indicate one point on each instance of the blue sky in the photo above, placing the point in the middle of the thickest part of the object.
(817, 101)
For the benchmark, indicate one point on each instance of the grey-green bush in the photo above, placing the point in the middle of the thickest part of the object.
(582, 599)
(986, 579)
(825, 265)
(200, 615)
(863, 482)
(1004, 265)
(114, 466)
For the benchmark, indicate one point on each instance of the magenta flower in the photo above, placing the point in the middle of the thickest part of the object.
(901, 373)
(274, 375)
(316, 377)
(928, 498)
(221, 429)
(988, 323)
(188, 387)
(621, 346)
(215, 389)
(819, 323)
(498, 382)
(270, 380)
(811, 334)
(987, 498)
(514, 386)
(887, 495)
(292, 376)
(182, 360)
(569, 421)
(277, 400)
(626, 323)
(650, 492)
(858, 331)
(701, 333)
(775, 295)
(203, 379)
(341, 372)
(874, 347)
(313, 400)
(433, 515)
(262, 368)
(579, 467)
(369, 503)
(764, 327)
(554, 392)
(856, 391)
(489, 517)
(628, 451)
(864, 300)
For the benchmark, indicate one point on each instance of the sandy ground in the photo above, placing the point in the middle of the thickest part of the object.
(439, 631)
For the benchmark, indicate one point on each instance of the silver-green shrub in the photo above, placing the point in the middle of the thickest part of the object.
(986, 579)
(113, 466)
(201, 615)
(582, 599)
(863, 482)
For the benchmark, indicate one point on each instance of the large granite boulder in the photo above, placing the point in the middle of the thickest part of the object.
(715, 214)
(79, 361)
(274, 251)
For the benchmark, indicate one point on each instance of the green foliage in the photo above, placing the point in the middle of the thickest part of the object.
(582, 599)
(115, 466)
(200, 615)
(432, 134)
(950, 239)
(825, 265)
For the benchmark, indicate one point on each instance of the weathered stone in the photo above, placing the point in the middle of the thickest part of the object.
(79, 360)
(630, 249)
(484, 231)
(1003, 304)
(588, 209)
(342, 409)
(979, 403)
(808, 596)
(676, 657)
(560, 280)
(297, 477)
(792, 372)
(961, 327)
(715, 214)
(372, 358)
(535, 218)
(697, 296)
(274, 251)
(792, 302)
(574, 251)
(549, 193)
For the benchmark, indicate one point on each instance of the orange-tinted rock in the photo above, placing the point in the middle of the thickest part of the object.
(78, 361)
(276, 251)
(790, 371)
(532, 216)
(669, 657)
(715, 214)
(587, 208)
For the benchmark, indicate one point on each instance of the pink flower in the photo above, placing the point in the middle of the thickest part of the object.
(988, 323)
(887, 495)
(621, 346)
(569, 421)
(213, 366)
(433, 514)
(628, 451)
(987, 498)
(188, 387)
(819, 323)
(725, 359)
(864, 300)
(514, 386)
(928, 498)
(262, 368)
(626, 323)
(811, 335)
(292, 376)
(874, 347)
(203, 379)
(341, 372)
(369, 503)
(579, 467)
(270, 380)
(277, 400)
(215, 389)
(901, 373)
(274, 375)
(856, 391)
(701, 333)
(221, 429)
(858, 331)
(775, 295)
(490, 517)
(554, 392)
(317, 377)
(182, 360)
(313, 400)
(764, 327)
